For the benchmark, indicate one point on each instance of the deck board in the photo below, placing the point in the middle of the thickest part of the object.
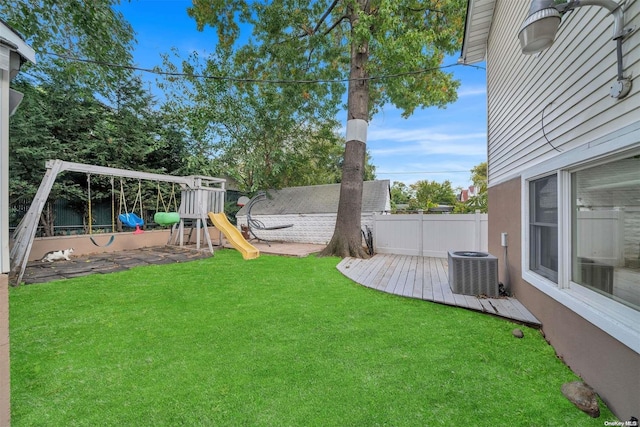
(435, 281)
(402, 277)
(396, 268)
(427, 278)
(427, 284)
(388, 272)
(418, 282)
(375, 266)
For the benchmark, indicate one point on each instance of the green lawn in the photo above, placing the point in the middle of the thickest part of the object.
(270, 342)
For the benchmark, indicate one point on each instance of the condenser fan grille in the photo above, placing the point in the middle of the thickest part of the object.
(473, 273)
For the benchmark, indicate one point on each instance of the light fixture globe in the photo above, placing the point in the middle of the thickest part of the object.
(539, 30)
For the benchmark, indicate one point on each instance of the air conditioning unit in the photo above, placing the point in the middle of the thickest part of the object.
(473, 273)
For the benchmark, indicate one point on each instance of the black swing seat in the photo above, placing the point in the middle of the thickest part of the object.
(106, 244)
(255, 224)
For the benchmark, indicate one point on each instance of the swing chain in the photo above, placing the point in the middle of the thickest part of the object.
(89, 202)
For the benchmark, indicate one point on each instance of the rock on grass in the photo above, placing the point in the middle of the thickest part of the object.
(583, 396)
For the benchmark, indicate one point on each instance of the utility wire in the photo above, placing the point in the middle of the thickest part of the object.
(545, 133)
(408, 173)
(249, 80)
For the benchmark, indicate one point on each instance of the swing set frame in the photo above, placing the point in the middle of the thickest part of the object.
(200, 195)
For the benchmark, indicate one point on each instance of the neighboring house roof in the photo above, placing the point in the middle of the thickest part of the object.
(468, 193)
(316, 199)
(476, 31)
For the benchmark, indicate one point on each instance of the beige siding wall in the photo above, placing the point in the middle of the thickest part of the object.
(610, 367)
(560, 98)
(570, 83)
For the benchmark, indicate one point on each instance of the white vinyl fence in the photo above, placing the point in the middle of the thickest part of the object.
(430, 235)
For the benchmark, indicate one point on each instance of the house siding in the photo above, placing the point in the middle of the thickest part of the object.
(611, 368)
(549, 112)
(569, 83)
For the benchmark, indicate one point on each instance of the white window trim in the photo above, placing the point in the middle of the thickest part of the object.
(614, 318)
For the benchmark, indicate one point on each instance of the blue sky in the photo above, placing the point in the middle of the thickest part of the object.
(433, 144)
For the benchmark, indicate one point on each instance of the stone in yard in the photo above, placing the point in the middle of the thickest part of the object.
(517, 333)
(583, 396)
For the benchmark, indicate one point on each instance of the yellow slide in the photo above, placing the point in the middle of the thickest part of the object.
(234, 236)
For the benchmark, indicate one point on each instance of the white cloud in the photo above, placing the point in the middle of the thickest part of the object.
(424, 141)
(425, 148)
(472, 91)
(439, 134)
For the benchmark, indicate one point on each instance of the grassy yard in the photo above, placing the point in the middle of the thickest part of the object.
(270, 342)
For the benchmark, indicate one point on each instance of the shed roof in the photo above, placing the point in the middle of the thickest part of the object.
(316, 199)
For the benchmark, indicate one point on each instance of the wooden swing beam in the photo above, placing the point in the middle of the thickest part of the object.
(26, 230)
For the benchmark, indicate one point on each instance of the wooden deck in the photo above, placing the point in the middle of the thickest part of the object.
(427, 279)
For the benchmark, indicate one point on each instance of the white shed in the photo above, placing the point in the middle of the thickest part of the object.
(312, 211)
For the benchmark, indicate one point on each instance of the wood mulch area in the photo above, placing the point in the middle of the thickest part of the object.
(103, 263)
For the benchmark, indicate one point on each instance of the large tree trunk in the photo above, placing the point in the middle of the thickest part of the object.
(347, 238)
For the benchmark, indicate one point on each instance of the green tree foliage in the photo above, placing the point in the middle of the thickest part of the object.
(477, 202)
(57, 121)
(479, 176)
(430, 194)
(261, 135)
(401, 194)
(332, 39)
(59, 29)
(83, 111)
(313, 40)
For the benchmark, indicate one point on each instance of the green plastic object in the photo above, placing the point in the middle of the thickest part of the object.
(166, 218)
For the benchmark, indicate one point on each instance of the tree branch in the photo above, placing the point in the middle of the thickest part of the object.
(309, 32)
(335, 24)
(326, 13)
(426, 9)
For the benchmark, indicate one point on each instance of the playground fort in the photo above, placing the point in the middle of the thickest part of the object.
(201, 198)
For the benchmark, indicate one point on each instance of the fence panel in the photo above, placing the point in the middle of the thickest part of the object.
(430, 235)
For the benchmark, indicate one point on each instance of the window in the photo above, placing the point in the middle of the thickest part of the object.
(581, 237)
(605, 230)
(543, 227)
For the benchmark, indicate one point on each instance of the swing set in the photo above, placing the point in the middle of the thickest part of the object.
(199, 195)
(129, 218)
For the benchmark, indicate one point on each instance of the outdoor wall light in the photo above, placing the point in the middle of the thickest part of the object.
(539, 30)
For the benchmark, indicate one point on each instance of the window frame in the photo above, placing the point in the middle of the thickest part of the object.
(539, 226)
(618, 320)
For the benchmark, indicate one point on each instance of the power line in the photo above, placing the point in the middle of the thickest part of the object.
(249, 80)
(419, 172)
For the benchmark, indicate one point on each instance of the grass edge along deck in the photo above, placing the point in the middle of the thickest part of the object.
(426, 278)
